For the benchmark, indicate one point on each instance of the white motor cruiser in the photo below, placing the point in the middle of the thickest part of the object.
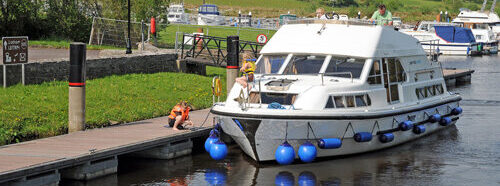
(337, 88)
(447, 38)
(482, 25)
(209, 14)
(176, 14)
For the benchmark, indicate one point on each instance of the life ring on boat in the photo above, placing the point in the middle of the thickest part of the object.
(216, 87)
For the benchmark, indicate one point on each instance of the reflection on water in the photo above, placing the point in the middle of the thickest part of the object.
(467, 153)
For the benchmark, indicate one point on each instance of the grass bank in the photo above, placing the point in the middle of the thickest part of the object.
(37, 111)
(65, 44)
(167, 35)
(409, 10)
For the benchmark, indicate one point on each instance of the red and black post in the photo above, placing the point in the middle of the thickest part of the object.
(77, 72)
(233, 57)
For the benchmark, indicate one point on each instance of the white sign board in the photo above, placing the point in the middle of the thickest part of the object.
(188, 40)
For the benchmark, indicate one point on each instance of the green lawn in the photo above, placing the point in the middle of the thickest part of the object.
(37, 111)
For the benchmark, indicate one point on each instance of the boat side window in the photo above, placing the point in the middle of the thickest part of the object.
(396, 72)
(267, 98)
(429, 91)
(348, 101)
(339, 101)
(360, 101)
(344, 67)
(304, 65)
(329, 103)
(375, 76)
(270, 64)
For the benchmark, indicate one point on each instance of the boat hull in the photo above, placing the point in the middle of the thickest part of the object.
(259, 138)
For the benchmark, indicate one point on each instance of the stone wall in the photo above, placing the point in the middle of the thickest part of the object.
(39, 72)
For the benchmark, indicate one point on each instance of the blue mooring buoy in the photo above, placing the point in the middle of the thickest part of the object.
(363, 136)
(307, 152)
(434, 118)
(419, 129)
(457, 111)
(445, 121)
(218, 150)
(210, 140)
(284, 154)
(387, 137)
(329, 143)
(406, 125)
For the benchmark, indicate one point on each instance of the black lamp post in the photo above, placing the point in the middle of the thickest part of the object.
(129, 45)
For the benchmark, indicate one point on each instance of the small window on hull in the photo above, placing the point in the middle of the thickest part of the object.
(348, 101)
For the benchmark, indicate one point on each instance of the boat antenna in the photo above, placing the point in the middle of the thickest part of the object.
(484, 5)
(493, 6)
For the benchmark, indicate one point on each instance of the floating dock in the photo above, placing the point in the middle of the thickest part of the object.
(94, 153)
(455, 77)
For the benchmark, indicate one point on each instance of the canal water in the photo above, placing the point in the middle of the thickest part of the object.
(465, 154)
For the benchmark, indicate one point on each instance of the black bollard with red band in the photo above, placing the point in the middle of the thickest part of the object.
(233, 58)
(77, 71)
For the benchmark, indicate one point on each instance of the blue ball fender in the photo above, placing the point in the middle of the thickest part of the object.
(307, 152)
(363, 137)
(218, 151)
(406, 125)
(285, 154)
(210, 140)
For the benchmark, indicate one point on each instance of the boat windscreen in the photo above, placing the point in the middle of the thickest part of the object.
(344, 67)
(307, 64)
(270, 64)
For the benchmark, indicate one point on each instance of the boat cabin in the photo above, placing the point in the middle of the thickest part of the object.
(343, 66)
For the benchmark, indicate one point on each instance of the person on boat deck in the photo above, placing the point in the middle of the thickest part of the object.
(320, 14)
(248, 68)
(382, 16)
(179, 116)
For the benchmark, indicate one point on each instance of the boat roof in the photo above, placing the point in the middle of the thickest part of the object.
(468, 16)
(364, 41)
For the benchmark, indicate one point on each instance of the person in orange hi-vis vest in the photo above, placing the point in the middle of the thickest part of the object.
(179, 116)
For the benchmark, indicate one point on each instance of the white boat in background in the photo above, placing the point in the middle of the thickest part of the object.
(453, 39)
(484, 25)
(346, 86)
(209, 14)
(176, 14)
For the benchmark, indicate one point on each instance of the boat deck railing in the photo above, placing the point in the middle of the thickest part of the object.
(433, 51)
(333, 21)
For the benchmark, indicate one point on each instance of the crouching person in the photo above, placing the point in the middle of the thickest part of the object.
(179, 116)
